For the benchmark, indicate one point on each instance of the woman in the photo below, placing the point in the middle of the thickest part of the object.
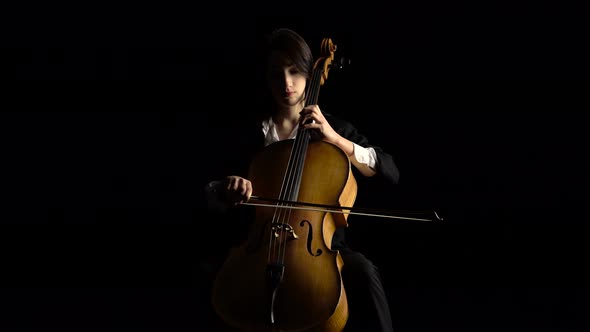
(289, 65)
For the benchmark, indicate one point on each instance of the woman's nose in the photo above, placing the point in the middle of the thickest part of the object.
(288, 80)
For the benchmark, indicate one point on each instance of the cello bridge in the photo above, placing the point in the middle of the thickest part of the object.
(286, 228)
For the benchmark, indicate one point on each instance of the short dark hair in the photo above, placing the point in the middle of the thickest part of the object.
(294, 47)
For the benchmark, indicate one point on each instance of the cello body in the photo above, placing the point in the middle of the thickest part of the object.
(285, 276)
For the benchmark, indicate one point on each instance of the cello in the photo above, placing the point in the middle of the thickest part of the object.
(285, 276)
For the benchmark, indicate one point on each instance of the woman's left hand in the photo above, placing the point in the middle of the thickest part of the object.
(319, 123)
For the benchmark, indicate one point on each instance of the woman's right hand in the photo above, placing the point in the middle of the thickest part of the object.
(238, 189)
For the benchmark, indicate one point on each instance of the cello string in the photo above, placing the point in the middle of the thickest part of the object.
(302, 141)
(289, 189)
(279, 214)
(300, 146)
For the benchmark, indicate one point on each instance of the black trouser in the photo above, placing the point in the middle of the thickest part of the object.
(367, 302)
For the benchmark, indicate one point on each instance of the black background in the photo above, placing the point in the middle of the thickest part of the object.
(113, 121)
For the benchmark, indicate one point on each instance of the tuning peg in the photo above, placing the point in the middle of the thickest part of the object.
(341, 62)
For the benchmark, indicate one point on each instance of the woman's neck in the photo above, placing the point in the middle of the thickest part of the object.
(288, 115)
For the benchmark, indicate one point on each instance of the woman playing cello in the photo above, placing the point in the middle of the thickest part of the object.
(290, 65)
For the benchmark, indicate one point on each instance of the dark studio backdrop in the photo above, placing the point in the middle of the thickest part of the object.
(113, 122)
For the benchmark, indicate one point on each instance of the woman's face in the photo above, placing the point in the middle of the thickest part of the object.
(287, 83)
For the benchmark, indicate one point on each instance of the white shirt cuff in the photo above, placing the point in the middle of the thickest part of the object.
(366, 156)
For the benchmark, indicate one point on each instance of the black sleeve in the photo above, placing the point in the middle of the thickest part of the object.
(385, 166)
(234, 157)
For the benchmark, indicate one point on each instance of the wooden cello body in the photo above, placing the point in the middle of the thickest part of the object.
(310, 295)
(285, 276)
